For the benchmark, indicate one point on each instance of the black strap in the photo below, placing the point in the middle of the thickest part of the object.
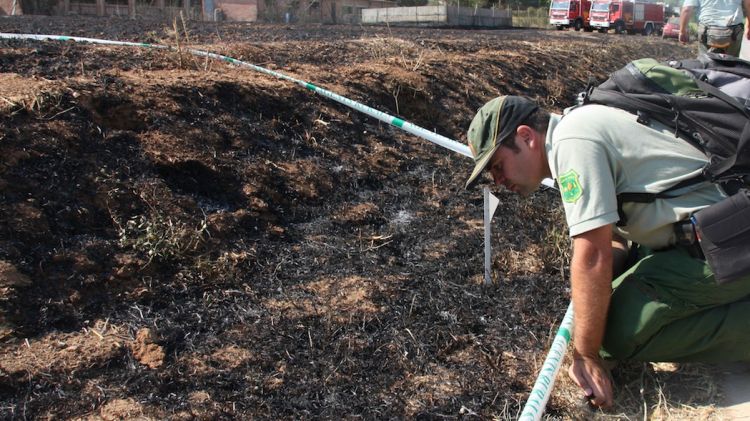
(668, 114)
(718, 93)
(729, 64)
(651, 197)
(630, 103)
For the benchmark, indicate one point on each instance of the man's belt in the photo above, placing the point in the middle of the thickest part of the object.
(720, 37)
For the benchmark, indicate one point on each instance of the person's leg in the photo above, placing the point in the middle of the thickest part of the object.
(721, 334)
(667, 307)
(734, 49)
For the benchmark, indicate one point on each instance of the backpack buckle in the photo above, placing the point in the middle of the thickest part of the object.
(643, 118)
(583, 97)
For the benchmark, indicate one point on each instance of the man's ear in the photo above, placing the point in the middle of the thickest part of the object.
(527, 134)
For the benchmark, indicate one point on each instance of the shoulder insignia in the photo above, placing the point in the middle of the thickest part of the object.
(570, 187)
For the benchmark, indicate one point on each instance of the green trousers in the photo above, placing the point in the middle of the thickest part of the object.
(667, 307)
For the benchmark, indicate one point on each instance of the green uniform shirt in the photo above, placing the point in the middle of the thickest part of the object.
(596, 152)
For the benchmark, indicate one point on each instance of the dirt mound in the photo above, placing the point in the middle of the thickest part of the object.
(182, 238)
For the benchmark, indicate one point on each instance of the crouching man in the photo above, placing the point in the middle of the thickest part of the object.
(664, 307)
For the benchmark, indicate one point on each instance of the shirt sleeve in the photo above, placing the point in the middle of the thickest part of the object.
(585, 174)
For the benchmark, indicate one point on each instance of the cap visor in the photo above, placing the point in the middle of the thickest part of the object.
(479, 167)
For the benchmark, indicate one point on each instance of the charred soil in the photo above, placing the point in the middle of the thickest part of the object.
(181, 238)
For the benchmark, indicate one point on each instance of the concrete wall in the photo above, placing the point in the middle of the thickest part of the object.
(317, 11)
(469, 16)
(416, 14)
(349, 11)
(439, 15)
(233, 10)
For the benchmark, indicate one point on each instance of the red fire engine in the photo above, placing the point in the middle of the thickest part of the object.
(627, 15)
(570, 13)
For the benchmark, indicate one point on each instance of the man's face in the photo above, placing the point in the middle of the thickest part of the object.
(518, 171)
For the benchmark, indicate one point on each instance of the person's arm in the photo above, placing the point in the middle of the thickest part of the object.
(685, 14)
(591, 279)
(746, 10)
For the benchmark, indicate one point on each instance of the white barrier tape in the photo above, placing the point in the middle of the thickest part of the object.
(542, 389)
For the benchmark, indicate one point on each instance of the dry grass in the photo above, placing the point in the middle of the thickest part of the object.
(531, 18)
(33, 96)
(410, 56)
(162, 237)
(650, 391)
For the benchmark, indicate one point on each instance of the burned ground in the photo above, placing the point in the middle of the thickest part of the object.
(181, 238)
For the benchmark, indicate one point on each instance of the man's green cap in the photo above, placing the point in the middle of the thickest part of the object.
(495, 121)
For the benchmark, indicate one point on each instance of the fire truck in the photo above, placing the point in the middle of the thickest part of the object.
(627, 15)
(570, 13)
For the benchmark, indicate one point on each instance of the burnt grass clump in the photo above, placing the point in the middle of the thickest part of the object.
(185, 239)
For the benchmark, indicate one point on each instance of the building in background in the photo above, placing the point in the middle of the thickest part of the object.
(288, 11)
(10, 8)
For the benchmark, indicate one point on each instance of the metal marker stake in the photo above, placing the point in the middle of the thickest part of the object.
(487, 245)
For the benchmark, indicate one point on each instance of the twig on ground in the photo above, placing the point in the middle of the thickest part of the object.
(177, 40)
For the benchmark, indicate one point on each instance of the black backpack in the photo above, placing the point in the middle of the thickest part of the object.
(707, 103)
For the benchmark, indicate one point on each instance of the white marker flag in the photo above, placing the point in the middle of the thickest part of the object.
(490, 206)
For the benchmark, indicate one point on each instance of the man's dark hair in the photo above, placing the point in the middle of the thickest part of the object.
(538, 120)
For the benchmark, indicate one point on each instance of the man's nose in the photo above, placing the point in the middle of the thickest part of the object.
(498, 178)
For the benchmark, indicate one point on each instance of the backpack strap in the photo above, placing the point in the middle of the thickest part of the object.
(651, 197)
(725, 63)
(714, 61)
(744, 136)
(712, 90)
(669, 114)
(631, 104)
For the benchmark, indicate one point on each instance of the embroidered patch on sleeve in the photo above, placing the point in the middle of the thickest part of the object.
(570, 187)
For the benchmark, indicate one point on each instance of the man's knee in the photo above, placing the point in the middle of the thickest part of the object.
(644, 325)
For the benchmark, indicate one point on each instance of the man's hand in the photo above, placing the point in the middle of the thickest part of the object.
(684, 36)
(590, 375)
